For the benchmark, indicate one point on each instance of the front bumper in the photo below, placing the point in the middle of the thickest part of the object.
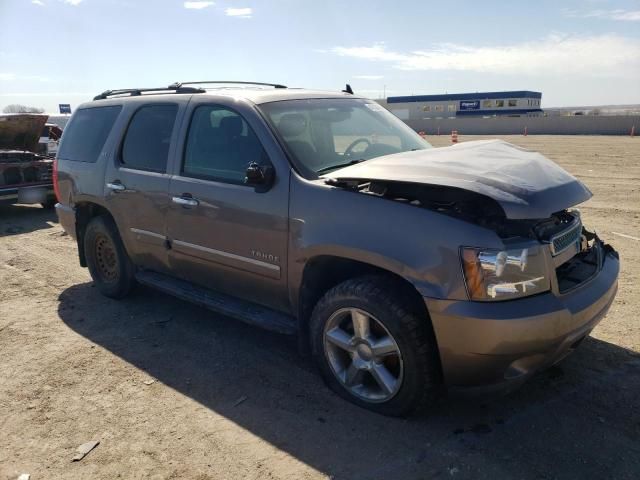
(495, 346)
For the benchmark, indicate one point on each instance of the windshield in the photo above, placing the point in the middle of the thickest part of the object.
(326, 134)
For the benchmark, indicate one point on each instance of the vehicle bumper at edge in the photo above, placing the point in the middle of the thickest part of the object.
(494, 347)
(27, 195)
(67, 218)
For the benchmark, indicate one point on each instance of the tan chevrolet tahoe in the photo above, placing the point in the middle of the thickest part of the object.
(404, 270)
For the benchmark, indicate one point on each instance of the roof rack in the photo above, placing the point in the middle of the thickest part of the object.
(177, 87)
(180, 84)
(133, 92)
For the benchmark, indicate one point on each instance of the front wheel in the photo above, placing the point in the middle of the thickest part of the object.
(374, 347)
(108, 262)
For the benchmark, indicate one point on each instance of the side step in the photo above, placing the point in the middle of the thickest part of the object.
(220, 303)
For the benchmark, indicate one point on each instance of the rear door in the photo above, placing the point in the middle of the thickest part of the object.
(137, 182)
(226, 235)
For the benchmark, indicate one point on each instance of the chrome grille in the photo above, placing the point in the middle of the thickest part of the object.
(565, 239)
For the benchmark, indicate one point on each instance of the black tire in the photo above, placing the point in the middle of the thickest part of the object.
(108, 262)
(49, 204)
(408, 325)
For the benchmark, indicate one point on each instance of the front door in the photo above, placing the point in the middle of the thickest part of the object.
(226, 235)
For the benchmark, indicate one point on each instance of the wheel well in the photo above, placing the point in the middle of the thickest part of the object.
(325, 272)
(84, 213)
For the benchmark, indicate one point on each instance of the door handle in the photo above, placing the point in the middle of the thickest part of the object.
(116, 186)
(186, 201)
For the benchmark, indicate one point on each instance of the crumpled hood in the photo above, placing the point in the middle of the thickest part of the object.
(526, 184)
(21, 131)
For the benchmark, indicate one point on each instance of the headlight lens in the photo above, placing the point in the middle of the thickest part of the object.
(504, 275)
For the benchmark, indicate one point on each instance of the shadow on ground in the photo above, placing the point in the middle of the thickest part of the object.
(578, 420)
(18, 219)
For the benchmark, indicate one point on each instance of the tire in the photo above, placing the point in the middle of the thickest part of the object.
(49, 204)
(357, 373)
(108, 262)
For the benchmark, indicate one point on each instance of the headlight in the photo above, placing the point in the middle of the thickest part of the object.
(504, 275)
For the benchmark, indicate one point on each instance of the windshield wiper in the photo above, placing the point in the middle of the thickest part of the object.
(341, 165)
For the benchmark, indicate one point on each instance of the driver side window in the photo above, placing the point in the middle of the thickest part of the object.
(220, 145)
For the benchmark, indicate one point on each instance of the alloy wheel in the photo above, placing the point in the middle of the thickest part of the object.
(363, 355)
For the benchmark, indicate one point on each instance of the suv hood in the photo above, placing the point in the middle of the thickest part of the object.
(525, 184)
(21, 131)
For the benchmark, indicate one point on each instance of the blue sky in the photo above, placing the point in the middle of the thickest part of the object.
(575, 52)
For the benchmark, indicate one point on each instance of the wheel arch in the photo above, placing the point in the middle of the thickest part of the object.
(323, 272)
(85, 211)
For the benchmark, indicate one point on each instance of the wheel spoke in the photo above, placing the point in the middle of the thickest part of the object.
(353, 375)
(384, 347)
(360, 324)
(384, 378)
(340, 339)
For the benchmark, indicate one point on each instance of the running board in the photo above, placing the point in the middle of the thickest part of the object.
(247, 312)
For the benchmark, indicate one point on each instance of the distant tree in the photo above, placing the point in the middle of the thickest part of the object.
(17, 108)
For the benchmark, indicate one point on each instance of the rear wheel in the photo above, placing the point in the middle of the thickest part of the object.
(108, 262)
(373, 348)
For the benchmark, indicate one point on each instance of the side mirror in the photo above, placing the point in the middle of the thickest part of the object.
(259, 176)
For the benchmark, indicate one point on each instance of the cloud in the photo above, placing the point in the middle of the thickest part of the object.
(368, 77)
(9, 77)
(609, 55)
(618, 14)
(48, 94)
(239, 12)
(38, 2)
(198, 5)
(376, 92)
(75, 3)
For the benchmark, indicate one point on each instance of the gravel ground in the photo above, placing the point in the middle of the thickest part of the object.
(173, 391)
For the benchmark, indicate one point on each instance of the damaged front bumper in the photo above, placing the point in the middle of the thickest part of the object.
(495, 346)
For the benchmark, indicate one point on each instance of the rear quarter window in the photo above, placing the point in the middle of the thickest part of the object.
(87, 132)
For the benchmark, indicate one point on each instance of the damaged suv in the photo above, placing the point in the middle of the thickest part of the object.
(25, 166)
(402, 268)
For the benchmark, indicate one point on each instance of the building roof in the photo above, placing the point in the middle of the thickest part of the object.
(465, 96)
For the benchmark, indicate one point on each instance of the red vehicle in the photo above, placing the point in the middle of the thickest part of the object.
(25, 174)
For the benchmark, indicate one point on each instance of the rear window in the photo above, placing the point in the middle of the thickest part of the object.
(86, 133)
(146, 145)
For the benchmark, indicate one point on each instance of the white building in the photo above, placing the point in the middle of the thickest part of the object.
(479, 104)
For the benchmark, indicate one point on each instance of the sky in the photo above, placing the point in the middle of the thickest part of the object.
(576, 53)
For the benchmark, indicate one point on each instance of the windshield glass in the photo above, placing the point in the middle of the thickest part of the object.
(326, 134)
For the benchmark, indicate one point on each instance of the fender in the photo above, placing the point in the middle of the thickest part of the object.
(416, 244)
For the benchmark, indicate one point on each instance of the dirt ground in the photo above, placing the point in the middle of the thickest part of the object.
(173, 391)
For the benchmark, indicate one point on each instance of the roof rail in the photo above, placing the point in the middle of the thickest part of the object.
(133, 92)
(180, 84)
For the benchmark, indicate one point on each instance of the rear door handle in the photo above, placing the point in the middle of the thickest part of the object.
(116, 186)
(186, 201)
